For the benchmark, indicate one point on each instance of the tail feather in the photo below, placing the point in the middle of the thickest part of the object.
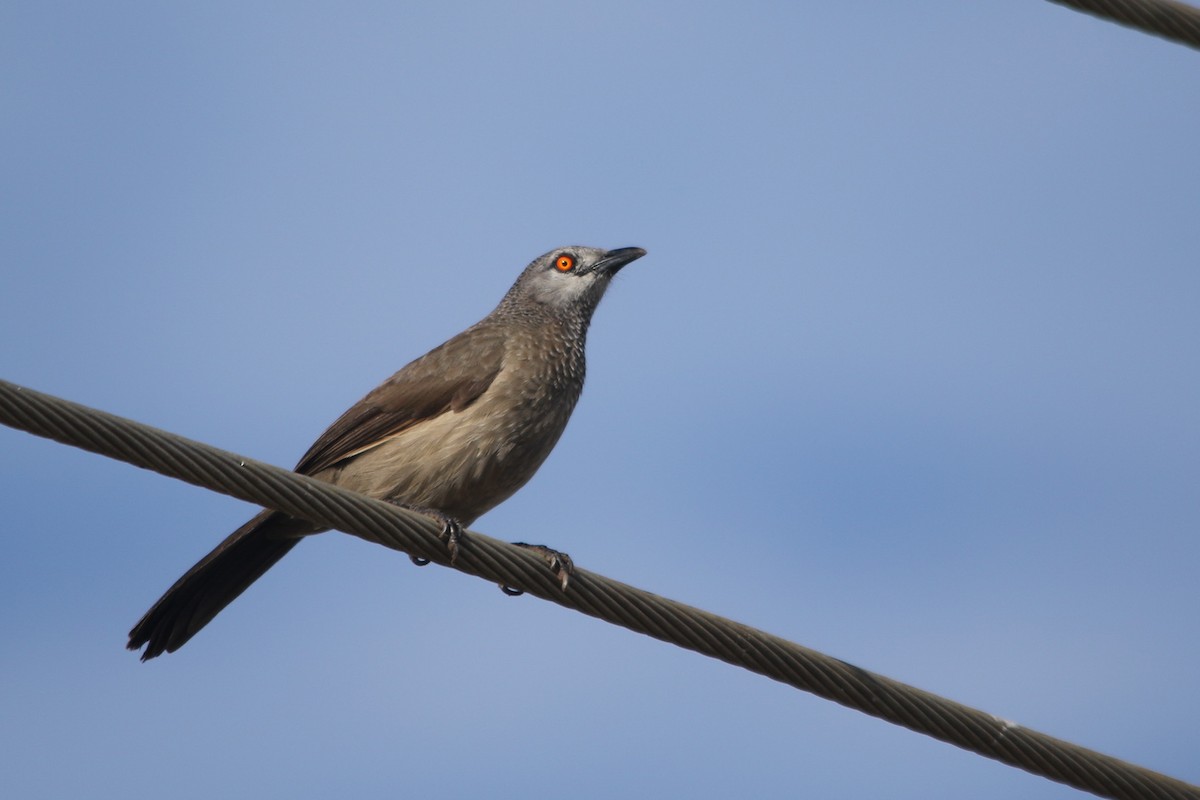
(216, 581)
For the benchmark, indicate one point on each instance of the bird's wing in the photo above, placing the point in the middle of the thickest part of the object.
(448, 378)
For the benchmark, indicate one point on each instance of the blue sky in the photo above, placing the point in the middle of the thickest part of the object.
(908, 376)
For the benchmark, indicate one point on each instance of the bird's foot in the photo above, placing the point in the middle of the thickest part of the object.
(452, 531)
(560, 563)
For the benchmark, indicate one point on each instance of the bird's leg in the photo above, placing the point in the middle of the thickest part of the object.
(561, 563)
(452, 532)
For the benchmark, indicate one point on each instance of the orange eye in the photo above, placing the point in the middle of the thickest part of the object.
(564, 263)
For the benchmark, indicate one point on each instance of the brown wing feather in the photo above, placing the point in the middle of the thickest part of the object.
(449, 377)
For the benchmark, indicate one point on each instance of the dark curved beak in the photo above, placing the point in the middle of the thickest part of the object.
(615, 259)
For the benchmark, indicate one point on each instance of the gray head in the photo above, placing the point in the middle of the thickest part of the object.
(567, 281)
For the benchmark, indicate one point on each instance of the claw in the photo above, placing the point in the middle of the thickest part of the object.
(560, 563)
(452, 532)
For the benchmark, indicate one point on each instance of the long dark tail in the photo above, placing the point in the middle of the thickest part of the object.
(216, 581)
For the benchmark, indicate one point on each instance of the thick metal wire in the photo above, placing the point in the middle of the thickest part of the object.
(1178, 22)
(589, 593)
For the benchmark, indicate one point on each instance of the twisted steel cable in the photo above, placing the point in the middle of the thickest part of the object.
(592, 594)
(1178, 22)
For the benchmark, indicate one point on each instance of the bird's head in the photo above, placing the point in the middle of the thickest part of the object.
(570, 279)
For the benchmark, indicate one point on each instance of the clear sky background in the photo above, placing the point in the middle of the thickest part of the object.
(909, 376)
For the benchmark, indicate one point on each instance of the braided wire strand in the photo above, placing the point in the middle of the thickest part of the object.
(589, 593)
(1178, 22)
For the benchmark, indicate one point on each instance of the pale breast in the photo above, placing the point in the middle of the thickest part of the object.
(464, 463)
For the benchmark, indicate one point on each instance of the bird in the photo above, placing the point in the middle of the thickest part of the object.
(451, 435)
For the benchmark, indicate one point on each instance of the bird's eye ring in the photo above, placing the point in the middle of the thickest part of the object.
(564, 263)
